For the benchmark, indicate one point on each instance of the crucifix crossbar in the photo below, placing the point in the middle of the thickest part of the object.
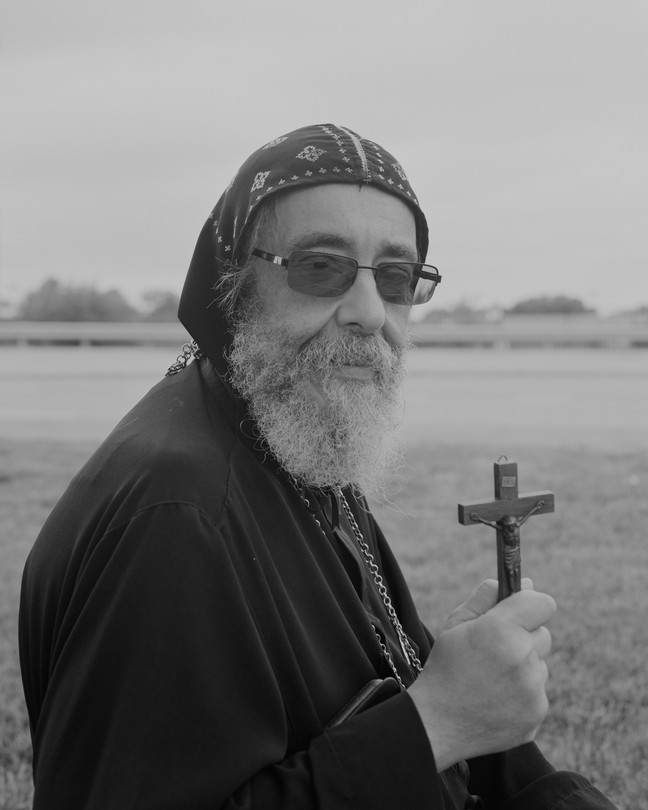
(506, 513)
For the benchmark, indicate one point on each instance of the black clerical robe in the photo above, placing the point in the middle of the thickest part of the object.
(188, 632)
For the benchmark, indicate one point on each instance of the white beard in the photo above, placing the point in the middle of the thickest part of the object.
(348, 438)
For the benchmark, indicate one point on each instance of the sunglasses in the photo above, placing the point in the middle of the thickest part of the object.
(327, 275)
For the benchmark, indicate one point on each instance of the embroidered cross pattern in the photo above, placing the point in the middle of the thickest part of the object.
(259, 181)
(506, 513)
(311, 153)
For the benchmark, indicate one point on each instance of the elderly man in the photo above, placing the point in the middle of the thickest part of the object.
(211, 617)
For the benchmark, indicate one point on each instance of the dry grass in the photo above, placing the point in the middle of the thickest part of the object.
(591, 555)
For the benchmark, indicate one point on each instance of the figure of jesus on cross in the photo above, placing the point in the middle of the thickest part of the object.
(506, 513)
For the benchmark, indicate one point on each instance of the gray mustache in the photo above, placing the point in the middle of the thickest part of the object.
(351, 350)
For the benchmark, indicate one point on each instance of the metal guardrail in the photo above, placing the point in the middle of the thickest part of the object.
(526, 332)
(536, 331)
(89, 333)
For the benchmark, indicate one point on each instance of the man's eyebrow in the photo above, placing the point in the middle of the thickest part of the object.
(336, 241)
(312, 239)
(400, 251)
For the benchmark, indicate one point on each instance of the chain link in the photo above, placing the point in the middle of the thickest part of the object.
(388, 657)
(189, 350)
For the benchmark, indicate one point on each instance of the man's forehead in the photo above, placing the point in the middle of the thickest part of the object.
(318, 238)
(339, 216)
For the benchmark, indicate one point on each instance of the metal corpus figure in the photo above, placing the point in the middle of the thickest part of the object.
(509, 526)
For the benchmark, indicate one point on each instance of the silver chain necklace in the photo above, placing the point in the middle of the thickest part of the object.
(406, 646)
(188, 351)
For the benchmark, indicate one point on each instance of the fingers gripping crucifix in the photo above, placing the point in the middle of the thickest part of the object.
(506, 514)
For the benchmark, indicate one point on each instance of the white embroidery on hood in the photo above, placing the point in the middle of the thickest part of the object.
(275, 142)
(311, 153)
(259, 181)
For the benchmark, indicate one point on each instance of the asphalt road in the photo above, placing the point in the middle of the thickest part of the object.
(590, 397)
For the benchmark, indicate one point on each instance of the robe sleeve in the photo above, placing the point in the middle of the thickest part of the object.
(522, 779)
(153, 690)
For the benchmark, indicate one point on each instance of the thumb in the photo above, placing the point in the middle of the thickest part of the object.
(478, 603)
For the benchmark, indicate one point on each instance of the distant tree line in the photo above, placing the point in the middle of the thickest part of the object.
(54, 301)
(542, 305)
(549, 305)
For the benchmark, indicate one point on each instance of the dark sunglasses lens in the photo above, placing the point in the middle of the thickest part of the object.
(396, 283)
(423, 290)
(417, 287)
(320, 274)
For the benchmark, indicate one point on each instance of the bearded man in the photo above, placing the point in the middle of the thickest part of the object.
(211, 617)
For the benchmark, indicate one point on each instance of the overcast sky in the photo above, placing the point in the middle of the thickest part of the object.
(522, 125)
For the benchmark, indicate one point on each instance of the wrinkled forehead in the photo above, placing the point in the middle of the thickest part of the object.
(342, 219)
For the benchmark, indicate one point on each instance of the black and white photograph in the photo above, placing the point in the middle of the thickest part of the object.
(323, 405)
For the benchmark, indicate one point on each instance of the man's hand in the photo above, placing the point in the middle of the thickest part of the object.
(483, 687)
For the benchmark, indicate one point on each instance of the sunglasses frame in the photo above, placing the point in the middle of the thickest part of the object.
(431, 275)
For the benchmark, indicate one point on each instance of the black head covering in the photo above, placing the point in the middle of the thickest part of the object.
(321, 153)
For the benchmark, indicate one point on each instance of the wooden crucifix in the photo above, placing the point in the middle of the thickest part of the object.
(506, 513)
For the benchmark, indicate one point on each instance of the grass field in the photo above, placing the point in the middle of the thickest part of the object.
(592, 555)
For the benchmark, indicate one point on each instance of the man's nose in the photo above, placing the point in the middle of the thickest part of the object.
(361, 308)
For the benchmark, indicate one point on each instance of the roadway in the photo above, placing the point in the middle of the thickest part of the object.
(568, 397)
